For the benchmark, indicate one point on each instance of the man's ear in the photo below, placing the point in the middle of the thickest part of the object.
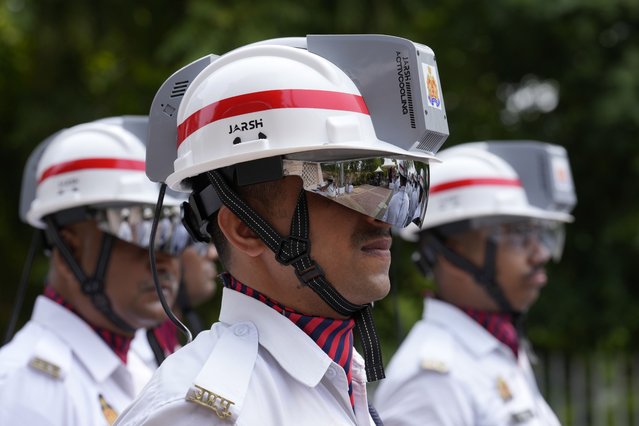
(238, 234)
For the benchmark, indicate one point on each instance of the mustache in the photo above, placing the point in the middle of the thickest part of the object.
(360, 237)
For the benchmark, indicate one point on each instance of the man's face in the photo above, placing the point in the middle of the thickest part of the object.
(352, 249)
(128, 282)
(199, 272)
(520, 260)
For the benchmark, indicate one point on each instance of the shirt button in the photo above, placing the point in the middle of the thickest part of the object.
(241, 330)
(331, 373)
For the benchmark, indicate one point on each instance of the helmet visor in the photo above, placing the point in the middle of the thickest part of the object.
(362, 185)
(133, 225)
(525, 234)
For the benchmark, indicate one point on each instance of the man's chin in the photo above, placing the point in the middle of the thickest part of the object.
(152, 315)
(375, 288)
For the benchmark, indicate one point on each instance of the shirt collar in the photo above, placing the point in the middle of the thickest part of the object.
(334, 336)
(499, 324)
(293, 349)
(86, 345)
(464, 328)
(117, 342)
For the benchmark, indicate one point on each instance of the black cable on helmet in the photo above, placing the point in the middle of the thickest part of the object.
(295, 250)
(24, 283)
(154, 271)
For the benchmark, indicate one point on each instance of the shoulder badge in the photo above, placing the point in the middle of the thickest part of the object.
(51, 357)
(208, 399)
(503, 389)
(45, 367)
(109, 413)
(434, 365)
(222, 383)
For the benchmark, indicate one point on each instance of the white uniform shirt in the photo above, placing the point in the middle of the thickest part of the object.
(451, 371)
(254, 367)
(58, 371)
(414, 199)
(142, 348)
(397, 212)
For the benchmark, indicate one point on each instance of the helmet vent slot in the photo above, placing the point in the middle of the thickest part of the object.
(431, 141)
(179, 88)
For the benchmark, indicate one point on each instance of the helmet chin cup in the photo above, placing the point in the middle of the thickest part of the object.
(194, 224)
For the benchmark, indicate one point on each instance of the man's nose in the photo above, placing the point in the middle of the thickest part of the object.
(540, 252)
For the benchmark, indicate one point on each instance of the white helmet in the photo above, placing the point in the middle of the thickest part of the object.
(301, 104)
(99, 165)
(90, 164)
(478, 180)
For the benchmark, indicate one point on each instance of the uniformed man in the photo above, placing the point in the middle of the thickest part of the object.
(261, 130)
(494, 219)
(398, 213)
(70, 364)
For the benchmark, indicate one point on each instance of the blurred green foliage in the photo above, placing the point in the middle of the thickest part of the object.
(67, 62)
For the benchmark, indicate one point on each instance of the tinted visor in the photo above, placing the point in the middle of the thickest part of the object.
(133, 225)
(526, 234)
(396, 194)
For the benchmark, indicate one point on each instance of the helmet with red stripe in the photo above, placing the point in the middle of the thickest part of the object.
(98, 165)
(480, 180)
(283, 101)
(90, 164)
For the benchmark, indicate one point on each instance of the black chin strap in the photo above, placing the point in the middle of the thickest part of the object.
(484, 276)
(295, 251)
(91, 286)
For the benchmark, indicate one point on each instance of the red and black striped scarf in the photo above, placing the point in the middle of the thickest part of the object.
(334, 336)
(119, 343)
(499, 324)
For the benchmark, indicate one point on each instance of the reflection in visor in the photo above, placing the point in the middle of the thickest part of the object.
(133, 225)
(397, 194)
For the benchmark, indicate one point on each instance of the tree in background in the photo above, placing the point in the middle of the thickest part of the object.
(563, 72)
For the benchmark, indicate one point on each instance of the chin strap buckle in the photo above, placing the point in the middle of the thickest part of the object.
(308, 274)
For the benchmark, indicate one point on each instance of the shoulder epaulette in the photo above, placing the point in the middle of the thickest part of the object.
(437, 352)
(222, 383)
(51, 357)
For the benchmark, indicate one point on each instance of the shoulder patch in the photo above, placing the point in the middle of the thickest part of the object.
(51, 356)
(222, 382)
(437, 351)
(45, 367)
(434, 365)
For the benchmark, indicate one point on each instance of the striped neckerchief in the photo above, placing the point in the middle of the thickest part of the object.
(119, 343)
(167, 337)
(499, 324)
(334, 336)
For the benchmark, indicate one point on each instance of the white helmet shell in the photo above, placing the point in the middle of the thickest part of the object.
(265, 101)
(92, 164)
(473, 183)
